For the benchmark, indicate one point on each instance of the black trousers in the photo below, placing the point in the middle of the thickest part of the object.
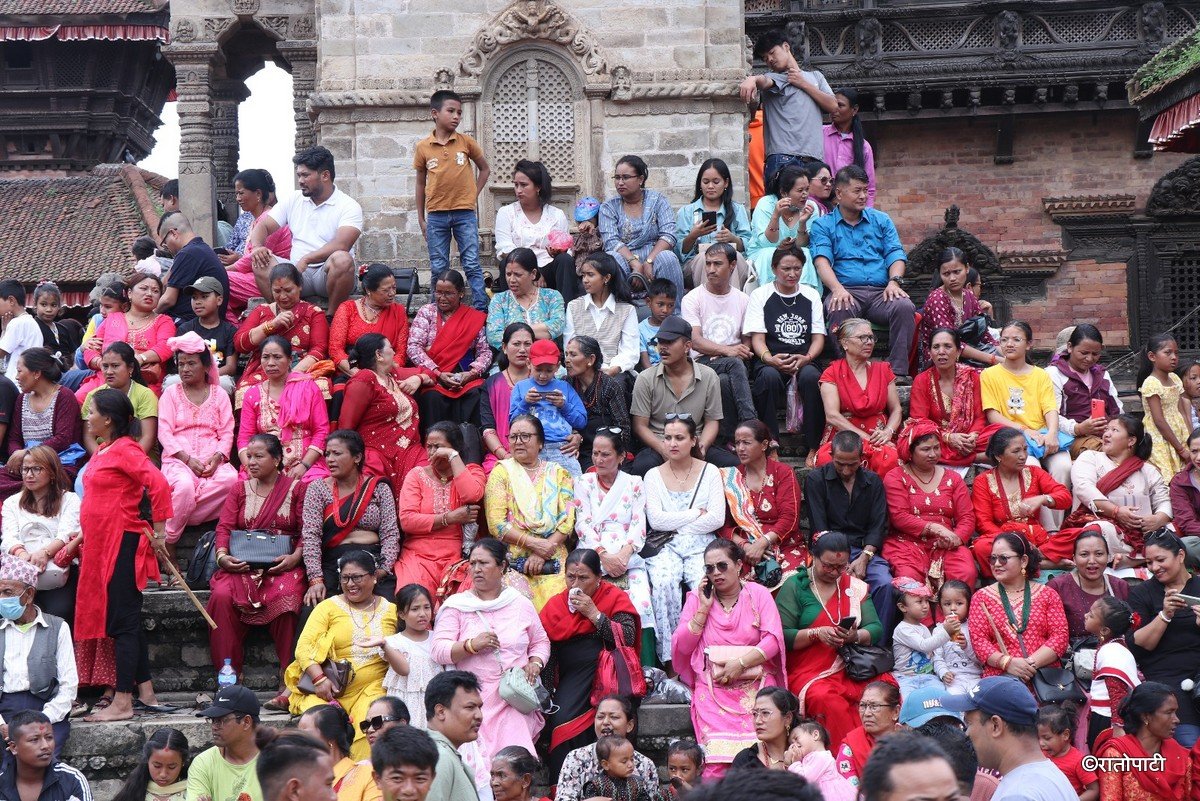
(124, 624)
(436, 408)
(770, 398)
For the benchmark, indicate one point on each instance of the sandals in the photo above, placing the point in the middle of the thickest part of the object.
(104, 702)
(280, 703)
(140, 706)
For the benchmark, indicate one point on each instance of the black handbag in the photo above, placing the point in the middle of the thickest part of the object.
(1055, 685)
(657, 540)
(258, 547)
(407, 283)
(203, 562)
(865, 662)
(973, 330)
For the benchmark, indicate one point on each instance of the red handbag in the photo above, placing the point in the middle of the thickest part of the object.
(618, 670)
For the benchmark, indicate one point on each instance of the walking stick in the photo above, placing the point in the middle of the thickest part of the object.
(191, 595)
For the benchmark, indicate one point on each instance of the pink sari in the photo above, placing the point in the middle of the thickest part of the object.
(721, 713)
(499, 391)
(298, 418)
(241, 274)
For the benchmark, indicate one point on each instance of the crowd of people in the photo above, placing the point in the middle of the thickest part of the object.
(486, 521)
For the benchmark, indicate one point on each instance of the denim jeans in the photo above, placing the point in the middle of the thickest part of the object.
(1186, 734)
(463, 224)
(775, 161)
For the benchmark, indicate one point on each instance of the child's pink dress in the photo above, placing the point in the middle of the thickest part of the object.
(819, 768)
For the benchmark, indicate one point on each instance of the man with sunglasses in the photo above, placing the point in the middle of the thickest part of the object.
(226, 772)
(843, 495)
(676, 387)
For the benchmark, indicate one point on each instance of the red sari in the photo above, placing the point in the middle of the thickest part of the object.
(309, 336)
(113, 484)
(428, 549)
(1172, 781)
(909, 548)
(776, 507)
(349, 324)
(996, 512)
(389, 424)
(962, 413)
(864, 407)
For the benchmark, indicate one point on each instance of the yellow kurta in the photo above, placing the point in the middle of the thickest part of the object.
(353, 781)
(330, 633)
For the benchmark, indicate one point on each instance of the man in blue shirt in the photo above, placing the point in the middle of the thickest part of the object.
(859, 258)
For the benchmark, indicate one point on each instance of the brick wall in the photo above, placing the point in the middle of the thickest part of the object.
(923, 166)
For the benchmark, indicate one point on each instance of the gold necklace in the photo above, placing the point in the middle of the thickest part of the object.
(372, 315)
(686, 478)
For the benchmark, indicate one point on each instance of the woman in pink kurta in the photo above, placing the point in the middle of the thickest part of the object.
(743, 621)
(195, 429)
(142, 327)
(487, 630)
(436, 501)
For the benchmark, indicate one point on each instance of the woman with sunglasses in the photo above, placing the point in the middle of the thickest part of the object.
(685, 500)
(610, 519)
(336, 630)
(860, 396)
(1166, 643)
(1017, 625)
(581, 621)
(821, 609)
(383, 714)
(729, 642)
(352, 781)
(603, 396)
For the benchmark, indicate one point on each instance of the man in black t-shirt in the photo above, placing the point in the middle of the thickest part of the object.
(193, 259)
(786, 324)
(205, 296)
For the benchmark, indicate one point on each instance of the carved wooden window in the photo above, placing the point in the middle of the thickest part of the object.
(533, 117)
(1184, 296)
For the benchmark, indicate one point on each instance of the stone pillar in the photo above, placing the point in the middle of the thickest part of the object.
(195, 66)
(302, 57)
(227, 94)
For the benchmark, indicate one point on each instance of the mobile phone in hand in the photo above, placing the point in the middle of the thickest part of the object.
(709, 217)
(848, 622)
(707, 588)
(1098, 409)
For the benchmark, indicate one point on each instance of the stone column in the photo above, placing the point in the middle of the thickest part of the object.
(302, 57)
(195, 66)
(227, 95)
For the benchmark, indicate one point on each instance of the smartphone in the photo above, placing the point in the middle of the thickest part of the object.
(709, 217)
(1190, 600)
(848, 623)
(1098, 409)
(223, 251)
(707, 589)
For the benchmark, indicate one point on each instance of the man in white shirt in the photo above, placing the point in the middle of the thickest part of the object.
(716, 311)
(32, 643)
(325, 224)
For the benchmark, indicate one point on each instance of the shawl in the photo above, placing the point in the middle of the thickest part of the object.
(293, 407)
(960, 415)
(499, 394)
(860, 744)
(341, 515)
(745, 624)
(1170, 782)
(469, 603)
(455, 337)
(739, 508)
(530, 506)
(1115, 478)
(562, 624)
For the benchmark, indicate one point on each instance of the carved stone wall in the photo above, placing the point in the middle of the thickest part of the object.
(568, 82)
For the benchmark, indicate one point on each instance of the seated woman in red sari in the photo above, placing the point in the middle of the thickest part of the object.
(437, 502)
(376, 312)
(948, 394)
(1009, 497)
(1017, 625)
(448, 339)
(880, 713)
(241, 597)
(929, 512)
(860, 396)
(775, 498)
(812, 605)
(302, 324)
(1150, 722)
(379, 405)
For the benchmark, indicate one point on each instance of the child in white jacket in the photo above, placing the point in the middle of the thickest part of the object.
(955, 662)
(913, 644)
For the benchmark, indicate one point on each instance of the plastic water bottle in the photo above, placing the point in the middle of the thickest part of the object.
(226, 676)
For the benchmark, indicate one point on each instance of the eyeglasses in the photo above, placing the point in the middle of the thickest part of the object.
(375, 723)
(873, 707)
(839, 568)
(678, 416)
(521, 437)
(1001, 558)
(32, 469)
(619, 178)
(719, 567)
(864, 338)
(354, 578)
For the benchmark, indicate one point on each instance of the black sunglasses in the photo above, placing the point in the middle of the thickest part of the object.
(375, 722)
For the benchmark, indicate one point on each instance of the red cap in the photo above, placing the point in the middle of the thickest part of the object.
(544, 351)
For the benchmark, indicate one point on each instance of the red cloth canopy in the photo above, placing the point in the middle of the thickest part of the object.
(1175, 130)
(136, 33)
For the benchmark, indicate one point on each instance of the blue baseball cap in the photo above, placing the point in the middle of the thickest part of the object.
(998, 695)
(923, 705)
(586, 209)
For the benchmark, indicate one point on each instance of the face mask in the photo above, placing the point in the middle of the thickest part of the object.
(11, 608)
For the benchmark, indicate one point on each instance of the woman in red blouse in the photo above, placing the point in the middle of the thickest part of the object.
(929, 512)
(1009, 497)
(860, 396)
(948, 394)
(1017, 625)
(374, 313)
(300, 323)
(775, 494)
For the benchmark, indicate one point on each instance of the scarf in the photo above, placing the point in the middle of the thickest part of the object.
(1168, 783)
(530, 505)
(859, 744)
(342, 515)
(959, 417)
(294, 406)
(455, 337)
(470, 603)
(1115, 478)
(562, 624)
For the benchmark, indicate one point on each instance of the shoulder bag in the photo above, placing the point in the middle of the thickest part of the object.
(657, 540)
(1051, 685)
(203, 561)
(259, 547)
(515, 687)
(618, 669)
(865, 662)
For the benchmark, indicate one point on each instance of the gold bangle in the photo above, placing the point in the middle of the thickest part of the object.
(469, 648)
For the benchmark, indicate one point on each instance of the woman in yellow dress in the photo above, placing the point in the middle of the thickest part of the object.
(333, 631)
(529, 507)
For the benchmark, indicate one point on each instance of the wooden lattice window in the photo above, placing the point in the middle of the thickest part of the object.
(1184, 296)
(533, 117)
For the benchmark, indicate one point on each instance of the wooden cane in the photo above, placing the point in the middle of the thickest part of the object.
(191, 595)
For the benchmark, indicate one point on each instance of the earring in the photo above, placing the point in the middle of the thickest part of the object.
(1022, 572)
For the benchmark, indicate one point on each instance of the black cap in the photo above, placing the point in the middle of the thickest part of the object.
(233, 699)
(674, 327)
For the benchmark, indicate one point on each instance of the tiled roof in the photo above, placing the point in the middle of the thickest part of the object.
(71, 229)
(91, 7)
